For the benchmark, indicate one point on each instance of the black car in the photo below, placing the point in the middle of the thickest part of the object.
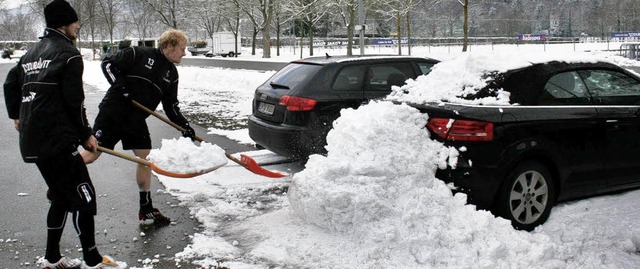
(570, 130)
(294, 109)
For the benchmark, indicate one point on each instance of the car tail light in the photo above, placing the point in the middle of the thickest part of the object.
(295, 103)
(461, 130)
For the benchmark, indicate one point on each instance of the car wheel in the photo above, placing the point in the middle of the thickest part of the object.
(231, 54)
(527, 196)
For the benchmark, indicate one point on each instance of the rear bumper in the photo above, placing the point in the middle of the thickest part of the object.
(481, 184)
(287, 140)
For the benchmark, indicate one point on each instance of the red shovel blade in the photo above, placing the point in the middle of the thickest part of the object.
(253, 166)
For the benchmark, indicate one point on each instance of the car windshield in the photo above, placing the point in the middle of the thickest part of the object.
(293, 74)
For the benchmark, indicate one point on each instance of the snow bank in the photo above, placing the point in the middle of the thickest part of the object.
(463, 75)
(448, 80)
(377, 185)
(184, 157)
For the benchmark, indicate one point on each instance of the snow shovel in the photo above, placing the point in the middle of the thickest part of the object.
(245, 161)
(153, 166)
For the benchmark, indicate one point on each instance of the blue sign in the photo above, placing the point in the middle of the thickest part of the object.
(532, 37)
(388, 41)
(625, 34)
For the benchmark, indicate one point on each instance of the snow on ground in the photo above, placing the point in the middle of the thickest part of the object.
(373, 201)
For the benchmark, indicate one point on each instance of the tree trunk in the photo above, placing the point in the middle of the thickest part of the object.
(301, 39)
(278, 36)
(352, 22)
(465, 25)
(409, 33)
(311, 40)
(253, 40)
(398, 29)
(266, 43)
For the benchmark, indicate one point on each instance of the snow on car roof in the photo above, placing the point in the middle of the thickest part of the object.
(464, 75)
(345, 58)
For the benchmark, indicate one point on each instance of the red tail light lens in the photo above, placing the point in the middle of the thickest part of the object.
(461, 130)
(294, 103)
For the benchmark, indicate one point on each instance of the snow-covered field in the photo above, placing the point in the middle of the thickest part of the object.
(373, 201)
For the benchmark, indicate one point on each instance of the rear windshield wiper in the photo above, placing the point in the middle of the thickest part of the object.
(276, 85)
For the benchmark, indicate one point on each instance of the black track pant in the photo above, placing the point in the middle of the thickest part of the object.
(70, 190)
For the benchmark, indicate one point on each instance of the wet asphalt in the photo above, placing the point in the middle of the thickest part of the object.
(119, 233)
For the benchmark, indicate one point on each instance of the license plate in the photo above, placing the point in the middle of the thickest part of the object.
(266, 108)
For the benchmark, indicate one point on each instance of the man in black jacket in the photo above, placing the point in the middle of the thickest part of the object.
(148, 76)
(45, 98)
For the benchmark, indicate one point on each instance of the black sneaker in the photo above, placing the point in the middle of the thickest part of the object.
(155, 215)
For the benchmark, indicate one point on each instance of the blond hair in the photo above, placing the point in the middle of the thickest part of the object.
(172, 37)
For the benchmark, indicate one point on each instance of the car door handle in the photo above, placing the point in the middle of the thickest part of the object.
(612, 121)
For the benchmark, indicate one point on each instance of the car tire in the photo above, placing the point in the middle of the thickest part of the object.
(526, 196)
(231, 54)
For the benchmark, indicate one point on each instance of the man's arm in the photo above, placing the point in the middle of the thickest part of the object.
(115, 66)
(171, 108)
(170, 104)
(73, 97)
(13, 93)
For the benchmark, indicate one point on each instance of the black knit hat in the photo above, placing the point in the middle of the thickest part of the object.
(59, 13)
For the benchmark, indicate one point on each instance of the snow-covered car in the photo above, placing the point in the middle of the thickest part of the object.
(294, 109)
(532, 135)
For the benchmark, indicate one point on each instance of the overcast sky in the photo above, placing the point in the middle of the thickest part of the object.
(11, 3)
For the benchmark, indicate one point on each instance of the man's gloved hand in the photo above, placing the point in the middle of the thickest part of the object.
(122, 90)
(189, 132)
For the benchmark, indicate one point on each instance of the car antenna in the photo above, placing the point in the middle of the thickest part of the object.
(328, 56)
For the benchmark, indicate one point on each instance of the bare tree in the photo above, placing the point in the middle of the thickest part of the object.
(283, 15)
(141, 16)
(347, 12)
(108, 10)
(465, 24)
(167, 11)
(230, 21)
(397, 10)
(205, 15)
(260, 14)
(310, 12)
(18, 26)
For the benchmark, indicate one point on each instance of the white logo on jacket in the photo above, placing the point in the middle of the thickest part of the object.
(35, 67)
(29, 98)
(149, 63)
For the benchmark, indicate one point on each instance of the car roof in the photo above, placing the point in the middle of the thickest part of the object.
(323, 60)
(478, 78)
(525, 83)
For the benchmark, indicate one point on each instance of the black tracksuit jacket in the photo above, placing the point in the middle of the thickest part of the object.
(44, 91)
(148, 77)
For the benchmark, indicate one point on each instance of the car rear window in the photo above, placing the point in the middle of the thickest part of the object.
(293, 74)
(425, 67)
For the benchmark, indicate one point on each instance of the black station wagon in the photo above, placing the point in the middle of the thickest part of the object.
(294, 109)
(571, 130)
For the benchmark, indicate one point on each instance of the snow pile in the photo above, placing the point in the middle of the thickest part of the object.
(184, 157)
(377, 186)
(453, 79)
(449, 80)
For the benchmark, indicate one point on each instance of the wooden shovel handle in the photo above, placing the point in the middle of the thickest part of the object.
(179, 128)
(125, 156)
